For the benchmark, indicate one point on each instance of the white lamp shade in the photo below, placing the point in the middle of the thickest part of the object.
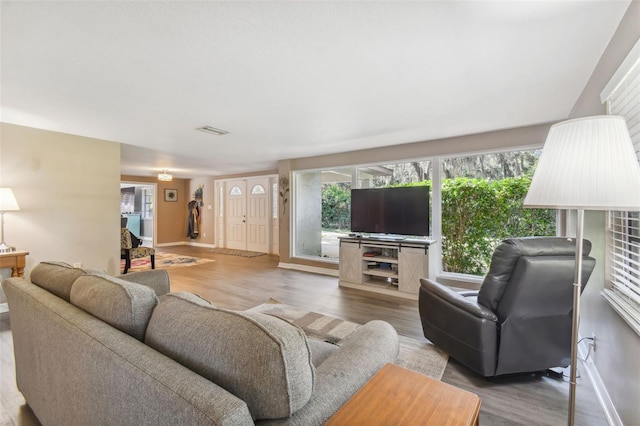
(589, 164)
(8, 200)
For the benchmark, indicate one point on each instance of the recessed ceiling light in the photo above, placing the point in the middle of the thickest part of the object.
(209, 129)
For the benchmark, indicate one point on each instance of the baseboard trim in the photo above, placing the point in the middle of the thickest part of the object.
(176, 243)
(609, 410)
(196, 244)
(307, 268)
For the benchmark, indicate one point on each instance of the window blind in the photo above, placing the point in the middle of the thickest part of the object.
(622, 97)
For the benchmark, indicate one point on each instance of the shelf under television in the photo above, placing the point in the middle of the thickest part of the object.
(380, 259)
(381, 273)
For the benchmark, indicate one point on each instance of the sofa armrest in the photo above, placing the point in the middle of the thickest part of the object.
(157, 279)
(458, 299)
(345, 371)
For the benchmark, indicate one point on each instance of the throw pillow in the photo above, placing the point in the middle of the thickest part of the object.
(124, 305)
(56, 277)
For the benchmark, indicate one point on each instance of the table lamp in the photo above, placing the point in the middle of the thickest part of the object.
(586, 164)
(8, 203)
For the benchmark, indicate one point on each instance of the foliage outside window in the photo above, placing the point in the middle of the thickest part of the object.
(482, 197)
(477, 214)
(336, 206)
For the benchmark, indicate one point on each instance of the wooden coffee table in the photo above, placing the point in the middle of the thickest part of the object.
(397, 396)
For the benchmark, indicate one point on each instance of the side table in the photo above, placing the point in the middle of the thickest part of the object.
(397, 396)
(14, 260)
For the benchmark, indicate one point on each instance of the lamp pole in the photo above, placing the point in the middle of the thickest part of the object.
(577, 284)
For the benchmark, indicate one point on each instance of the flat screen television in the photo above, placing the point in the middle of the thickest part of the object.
(395, 211)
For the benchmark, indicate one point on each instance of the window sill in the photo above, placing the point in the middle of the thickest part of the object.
(627, 312)
(464, 281)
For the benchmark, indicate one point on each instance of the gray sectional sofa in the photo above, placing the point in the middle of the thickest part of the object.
(95, 349)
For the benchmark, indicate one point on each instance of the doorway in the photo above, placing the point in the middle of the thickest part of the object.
(248, 214)
(137, 202)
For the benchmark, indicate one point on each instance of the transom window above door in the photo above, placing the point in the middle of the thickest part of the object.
(257, 190)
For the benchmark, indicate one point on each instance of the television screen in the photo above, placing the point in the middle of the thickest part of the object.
(399, 211)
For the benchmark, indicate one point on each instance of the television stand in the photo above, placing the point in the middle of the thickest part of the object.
(386, 266)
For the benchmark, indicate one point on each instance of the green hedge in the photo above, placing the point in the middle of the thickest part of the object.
(476, 215)
(336, 206)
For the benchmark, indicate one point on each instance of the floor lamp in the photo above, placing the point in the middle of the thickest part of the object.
(7, 203)
(586, 164)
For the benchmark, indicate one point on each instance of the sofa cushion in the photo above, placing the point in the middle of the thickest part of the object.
(156, 279)
(124, 305)
(262, 359)
(56, 277)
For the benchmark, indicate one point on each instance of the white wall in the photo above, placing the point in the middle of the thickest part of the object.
(68, 189)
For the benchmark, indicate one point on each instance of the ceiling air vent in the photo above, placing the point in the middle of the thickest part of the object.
(209, 129)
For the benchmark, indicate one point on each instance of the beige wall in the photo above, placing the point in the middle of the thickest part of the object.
(616, 356)
(68, 191)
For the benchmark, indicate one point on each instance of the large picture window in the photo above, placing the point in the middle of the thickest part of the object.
(481, 204)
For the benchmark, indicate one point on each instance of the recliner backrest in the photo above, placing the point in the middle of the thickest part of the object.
(509, 253)
(541, 286)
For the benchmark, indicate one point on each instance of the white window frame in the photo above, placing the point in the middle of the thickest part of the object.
(622, 290)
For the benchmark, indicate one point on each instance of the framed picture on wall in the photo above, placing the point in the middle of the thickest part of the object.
(171, 195)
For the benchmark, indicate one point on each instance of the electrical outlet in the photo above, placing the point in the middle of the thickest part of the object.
(593, 341)
(77, 265)
(204, 235)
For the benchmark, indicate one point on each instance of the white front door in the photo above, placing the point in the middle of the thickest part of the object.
(258, 215)
(236, 214)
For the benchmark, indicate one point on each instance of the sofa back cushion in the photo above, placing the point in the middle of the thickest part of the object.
(261, 359)
(124, 305)
(56, 277)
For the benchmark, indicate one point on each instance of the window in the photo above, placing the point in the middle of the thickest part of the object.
(221, 201)
(622, 97)
(482, 197)
(258, 190)
(274, 200)
(321, 211)
(477, 202)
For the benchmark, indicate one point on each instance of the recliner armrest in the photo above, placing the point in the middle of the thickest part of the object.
(457, 299)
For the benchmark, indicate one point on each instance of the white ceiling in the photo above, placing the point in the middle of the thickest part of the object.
(291, 79)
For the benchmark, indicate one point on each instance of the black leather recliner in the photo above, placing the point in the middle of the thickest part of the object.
(521, 318)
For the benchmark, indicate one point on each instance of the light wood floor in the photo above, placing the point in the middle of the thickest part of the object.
(240, 283)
